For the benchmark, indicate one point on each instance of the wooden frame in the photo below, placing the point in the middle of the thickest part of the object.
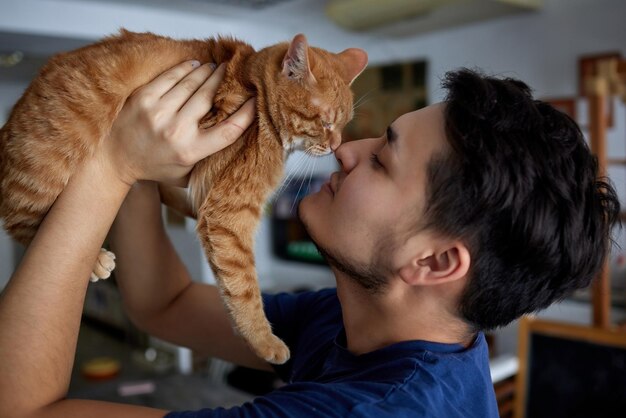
(602, 77)
(529, 326)
(588, 69)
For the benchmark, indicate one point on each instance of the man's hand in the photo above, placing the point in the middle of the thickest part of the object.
(156, 134)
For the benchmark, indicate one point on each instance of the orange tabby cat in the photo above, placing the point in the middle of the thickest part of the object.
(303, 102)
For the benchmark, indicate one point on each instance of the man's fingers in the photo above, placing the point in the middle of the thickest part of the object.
(164, 82)
(185, 88)
(228, 131)
(201, 102)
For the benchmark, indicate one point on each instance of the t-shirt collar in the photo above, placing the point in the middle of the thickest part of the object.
(403, 348)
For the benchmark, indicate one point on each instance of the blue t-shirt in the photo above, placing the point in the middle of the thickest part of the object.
(407, 379)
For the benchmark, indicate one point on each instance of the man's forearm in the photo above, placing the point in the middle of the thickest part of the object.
(156, 288)
(40, 309)
(149, 272)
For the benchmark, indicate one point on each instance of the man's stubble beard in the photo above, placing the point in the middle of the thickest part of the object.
(369, 276)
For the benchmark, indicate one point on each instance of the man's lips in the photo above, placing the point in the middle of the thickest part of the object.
(333, 182)
(326, 186)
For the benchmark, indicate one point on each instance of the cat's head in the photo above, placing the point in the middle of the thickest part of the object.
(311, 99)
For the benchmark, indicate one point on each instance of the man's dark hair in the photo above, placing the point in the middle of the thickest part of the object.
(520, 187)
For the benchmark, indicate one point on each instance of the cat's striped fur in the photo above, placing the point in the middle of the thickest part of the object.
(68, 110)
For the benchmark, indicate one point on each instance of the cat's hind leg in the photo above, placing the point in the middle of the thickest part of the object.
(227, 234)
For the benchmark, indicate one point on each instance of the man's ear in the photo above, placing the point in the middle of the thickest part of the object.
(446, 265)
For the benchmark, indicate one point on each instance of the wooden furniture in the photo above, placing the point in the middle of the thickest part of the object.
(607, 80)
(568, 370)
(505, 396)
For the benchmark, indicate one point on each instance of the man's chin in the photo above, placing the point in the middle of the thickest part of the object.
(302, 212)
(366, 275)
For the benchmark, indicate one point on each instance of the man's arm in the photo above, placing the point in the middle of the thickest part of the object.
(157, 291)
(41, 307)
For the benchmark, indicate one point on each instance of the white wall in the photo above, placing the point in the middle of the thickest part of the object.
(541, 48)
(94, 19)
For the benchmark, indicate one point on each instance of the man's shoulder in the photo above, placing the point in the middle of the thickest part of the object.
(402, 389)
(433, 377)
(328, 294)
(303, 302)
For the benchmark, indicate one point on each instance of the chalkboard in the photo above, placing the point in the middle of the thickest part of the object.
(571, 371)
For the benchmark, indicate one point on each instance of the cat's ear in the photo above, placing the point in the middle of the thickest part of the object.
(296, 61)
(354, 62)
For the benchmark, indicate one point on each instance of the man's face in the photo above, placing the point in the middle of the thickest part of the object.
(366, 209)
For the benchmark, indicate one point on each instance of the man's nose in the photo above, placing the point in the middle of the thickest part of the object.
(346, 155)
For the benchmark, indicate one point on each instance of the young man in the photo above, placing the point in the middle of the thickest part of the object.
(460, 218)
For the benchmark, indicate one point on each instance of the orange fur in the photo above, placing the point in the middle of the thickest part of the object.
(303, 99)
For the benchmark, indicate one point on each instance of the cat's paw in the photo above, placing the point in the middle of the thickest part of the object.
(215, 116)
(272, 349)
(211, 119)
(104, 265)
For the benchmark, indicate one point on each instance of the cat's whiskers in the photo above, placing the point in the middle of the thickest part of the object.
(287, 179)
(361, 100)
(309, 162)
(308, 187)
(312, 165)
(357, 114)
(300, 159)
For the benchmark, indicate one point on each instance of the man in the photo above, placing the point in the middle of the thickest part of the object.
(460, 218)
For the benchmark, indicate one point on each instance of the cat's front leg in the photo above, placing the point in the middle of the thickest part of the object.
(104, 265)
(224, 106)
(226, 229)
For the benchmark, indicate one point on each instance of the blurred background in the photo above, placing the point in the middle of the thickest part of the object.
(553, 45)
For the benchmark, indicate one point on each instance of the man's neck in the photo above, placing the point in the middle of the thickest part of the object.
(398, 314)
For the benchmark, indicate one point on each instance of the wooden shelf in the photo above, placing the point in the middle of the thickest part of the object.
(505, 397)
